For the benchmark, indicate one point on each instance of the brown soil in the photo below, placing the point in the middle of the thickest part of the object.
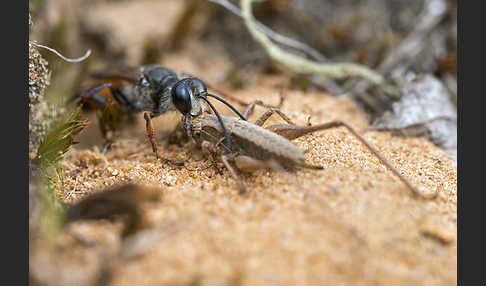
(354, 223)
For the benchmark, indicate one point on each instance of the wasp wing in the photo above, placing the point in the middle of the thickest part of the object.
(125, 73)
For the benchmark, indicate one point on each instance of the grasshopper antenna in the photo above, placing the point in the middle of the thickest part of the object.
(228, 141)
(227, 104)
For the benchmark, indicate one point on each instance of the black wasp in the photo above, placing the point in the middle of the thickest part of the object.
(153, 90)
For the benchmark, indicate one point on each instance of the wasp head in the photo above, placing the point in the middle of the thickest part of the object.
(187, 94)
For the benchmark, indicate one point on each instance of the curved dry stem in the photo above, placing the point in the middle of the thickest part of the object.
(75, 60)
(283, 40)
(303, 65)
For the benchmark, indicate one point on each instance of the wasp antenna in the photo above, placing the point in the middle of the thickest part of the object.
(228, 141)
(227, 104)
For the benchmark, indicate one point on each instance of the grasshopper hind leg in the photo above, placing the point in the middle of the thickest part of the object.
(293, 131)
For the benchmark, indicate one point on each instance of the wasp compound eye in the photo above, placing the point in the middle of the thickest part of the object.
(197, 85)
(181, 98)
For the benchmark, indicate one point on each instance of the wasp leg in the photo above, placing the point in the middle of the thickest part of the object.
(293, 131)
(148, 115)
(242, 189)
(105, 118)
(92, 94)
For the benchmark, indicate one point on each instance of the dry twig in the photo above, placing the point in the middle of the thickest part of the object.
(75, 60)
(302, 65)
(283, 40)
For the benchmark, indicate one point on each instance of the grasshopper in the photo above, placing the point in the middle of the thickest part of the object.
(255, 147)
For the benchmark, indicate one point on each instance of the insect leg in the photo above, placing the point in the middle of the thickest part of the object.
(242, 189)
(93, 94)
(293, 131)
(249, 164)
(269, 113)
(101, 98)
(147, 115)
(251, 106)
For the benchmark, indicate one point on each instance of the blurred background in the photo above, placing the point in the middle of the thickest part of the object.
(206, 39)
(413, 44)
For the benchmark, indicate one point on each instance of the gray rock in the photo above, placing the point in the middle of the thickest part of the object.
(424, 109)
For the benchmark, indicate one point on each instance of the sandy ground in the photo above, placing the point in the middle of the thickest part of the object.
(354, 223)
